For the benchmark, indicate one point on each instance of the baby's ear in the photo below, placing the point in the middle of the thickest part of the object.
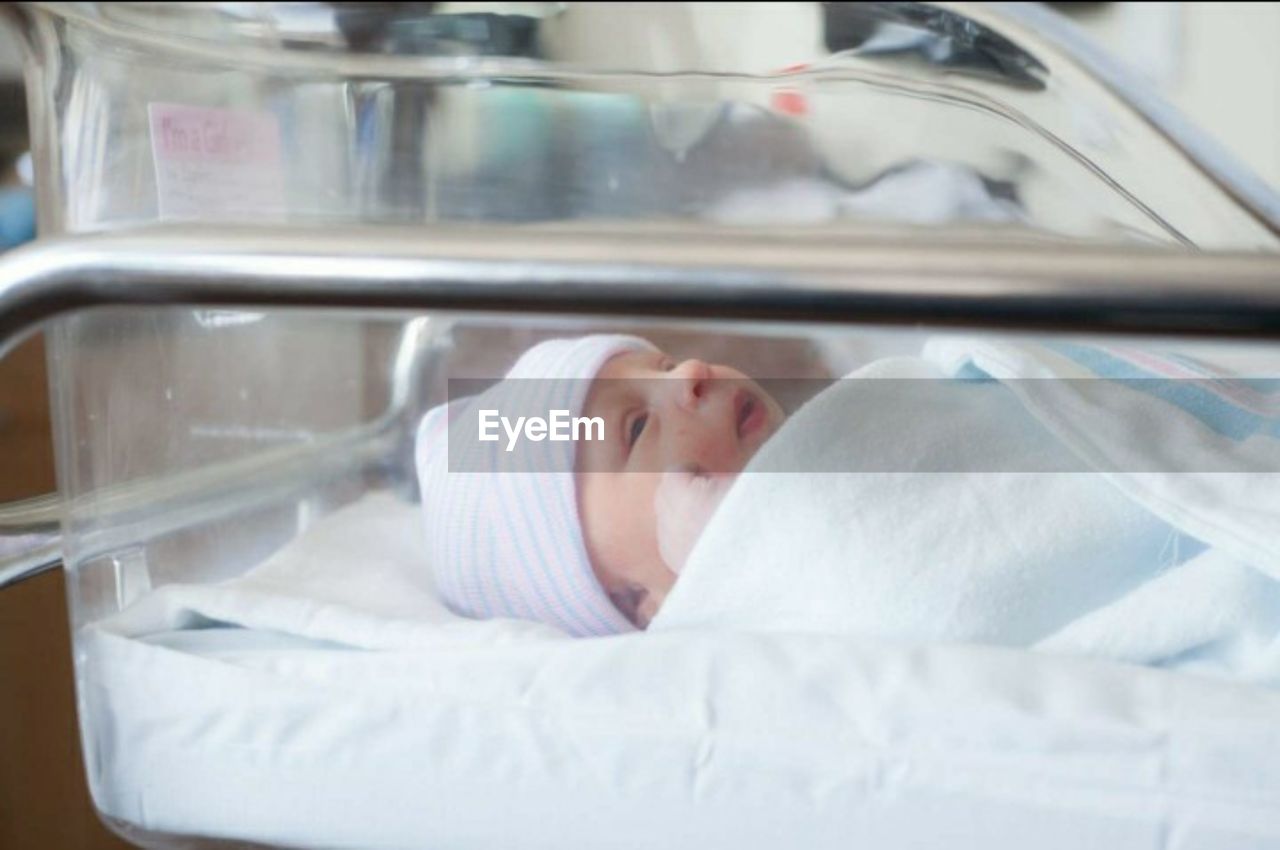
(630, 599)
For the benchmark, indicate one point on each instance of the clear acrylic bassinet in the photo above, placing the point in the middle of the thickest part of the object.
(272, 234)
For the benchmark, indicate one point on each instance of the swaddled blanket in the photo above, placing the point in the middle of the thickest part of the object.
(1052, 498)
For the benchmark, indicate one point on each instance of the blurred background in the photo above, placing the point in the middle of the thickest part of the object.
(1217, 62)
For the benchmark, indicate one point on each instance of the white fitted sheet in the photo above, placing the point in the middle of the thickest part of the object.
(454, 734)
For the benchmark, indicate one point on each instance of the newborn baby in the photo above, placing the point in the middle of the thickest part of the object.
(1074, 516)
(575, 540)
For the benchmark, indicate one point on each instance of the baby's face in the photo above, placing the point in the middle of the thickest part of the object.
(659, 415)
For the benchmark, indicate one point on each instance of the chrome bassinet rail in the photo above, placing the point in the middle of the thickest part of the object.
(695, 272)
(33, 526)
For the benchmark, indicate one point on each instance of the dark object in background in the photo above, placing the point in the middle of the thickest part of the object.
(937, 36)
(414, 29)
(17, 202)
(13, 120)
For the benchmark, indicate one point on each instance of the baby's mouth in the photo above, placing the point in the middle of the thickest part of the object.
(749, 413)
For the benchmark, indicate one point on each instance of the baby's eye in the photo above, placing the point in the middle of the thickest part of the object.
(637, 428)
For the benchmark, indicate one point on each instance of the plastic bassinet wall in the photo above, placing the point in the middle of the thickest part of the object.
(295, 222)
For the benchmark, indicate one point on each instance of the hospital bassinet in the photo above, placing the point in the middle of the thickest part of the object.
(272, 233)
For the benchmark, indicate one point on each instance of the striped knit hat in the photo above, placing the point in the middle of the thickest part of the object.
(503, 532)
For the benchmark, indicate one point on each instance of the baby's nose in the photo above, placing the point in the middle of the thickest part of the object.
(694, 378)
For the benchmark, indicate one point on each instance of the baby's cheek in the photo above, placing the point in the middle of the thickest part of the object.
(706, 451)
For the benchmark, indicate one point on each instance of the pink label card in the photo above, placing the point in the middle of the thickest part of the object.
(216, 163)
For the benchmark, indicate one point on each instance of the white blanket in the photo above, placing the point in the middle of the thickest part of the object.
(482, 735)
(1007, 513)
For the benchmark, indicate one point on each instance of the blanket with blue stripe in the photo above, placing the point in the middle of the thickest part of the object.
(1195, 444)
(1233, 407)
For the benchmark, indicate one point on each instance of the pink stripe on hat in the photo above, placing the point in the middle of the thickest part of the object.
(503, 533)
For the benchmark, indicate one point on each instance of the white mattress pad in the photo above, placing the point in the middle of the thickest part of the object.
(434, 732)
